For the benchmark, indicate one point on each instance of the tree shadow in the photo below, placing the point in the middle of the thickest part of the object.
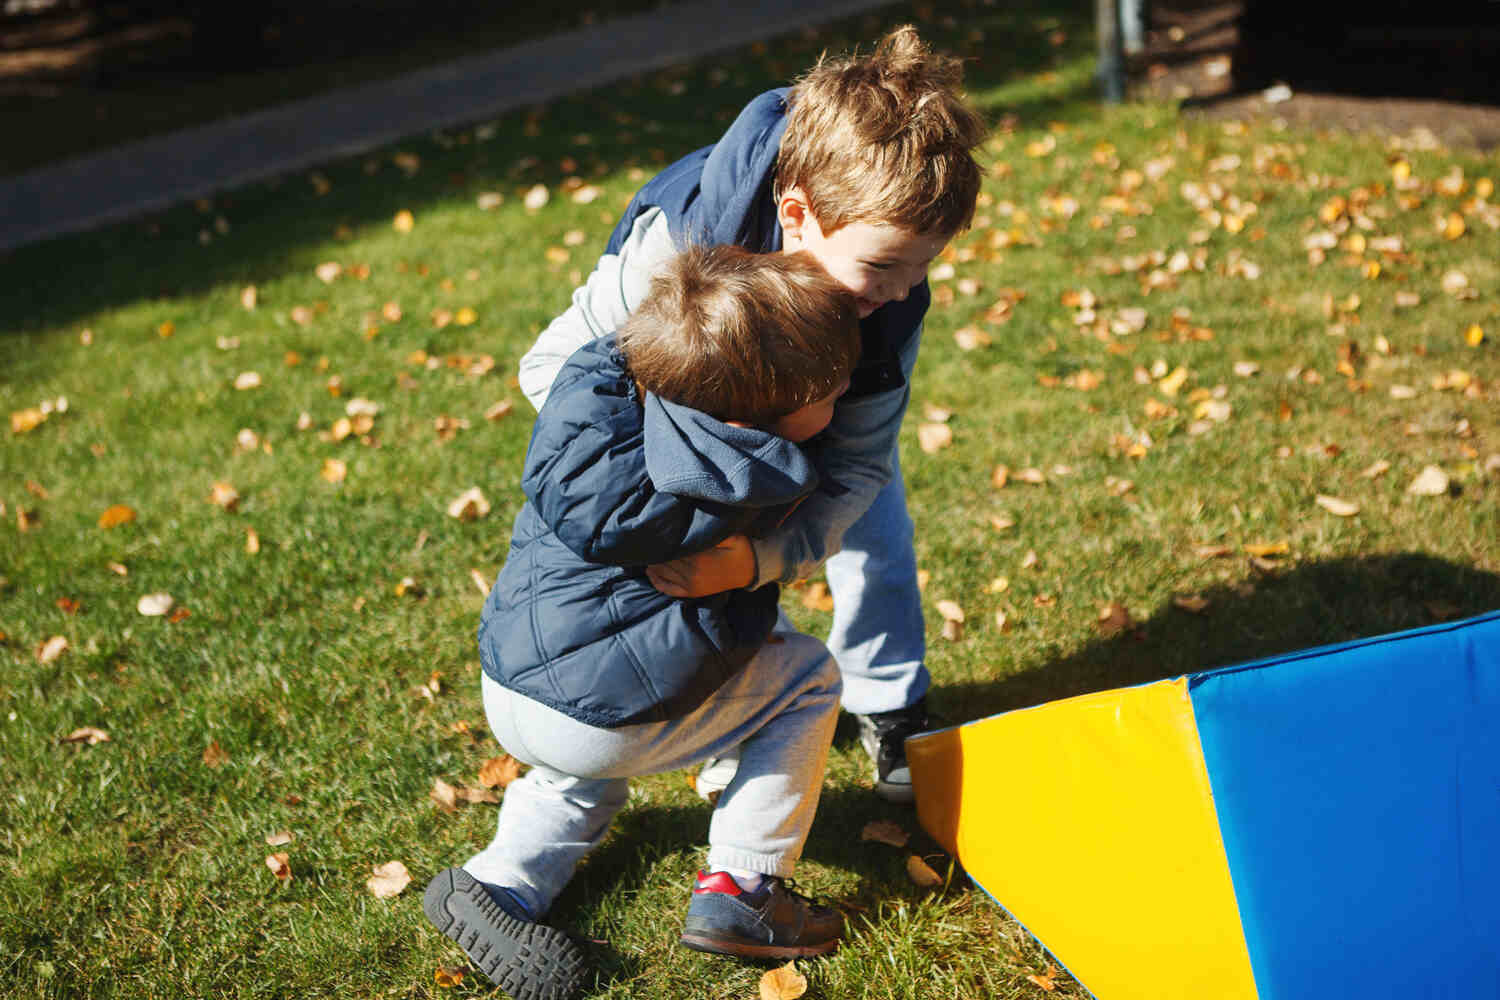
(1312, 604)
(273, 228)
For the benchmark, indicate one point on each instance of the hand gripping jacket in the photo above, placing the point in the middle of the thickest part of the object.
(615, 482)
(723, 194)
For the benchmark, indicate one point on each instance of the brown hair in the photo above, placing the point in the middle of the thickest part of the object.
(884, 138)
(742, 336)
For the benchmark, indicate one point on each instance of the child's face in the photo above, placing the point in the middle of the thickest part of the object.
(876, 261)
(800, 425)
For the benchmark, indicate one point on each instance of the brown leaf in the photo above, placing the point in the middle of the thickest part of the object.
(953, 630)
(499, 411)
(1113, 619)
(388, 880)
(87, 735)
(473, 795)
(1211, 551)
(950, 610)
(280, 865)
(215, 755)
(1195, 603)
(334, 470)
(252, 541)
(883, 831)
(444, 795)
(783, 983)
(279, 838)
(921, 873)
(448, 976)
(177, 614)
(1046, 980)
(498, 772)
(68, 606)
(1000, 476)
(469, 505)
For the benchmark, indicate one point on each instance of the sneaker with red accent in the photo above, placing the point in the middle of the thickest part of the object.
(770, 921)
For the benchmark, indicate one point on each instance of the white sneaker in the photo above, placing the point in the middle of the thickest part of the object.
(716, 774)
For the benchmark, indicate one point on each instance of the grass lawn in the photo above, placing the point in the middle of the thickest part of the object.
(1167, 372)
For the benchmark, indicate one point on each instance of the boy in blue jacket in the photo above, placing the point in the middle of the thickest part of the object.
(698, 422)
(865, 164)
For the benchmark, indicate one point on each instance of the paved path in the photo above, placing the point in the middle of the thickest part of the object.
(152, 174)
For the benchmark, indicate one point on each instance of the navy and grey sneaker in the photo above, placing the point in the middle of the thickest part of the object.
(770, 921)
(883, 735)
(530, 961)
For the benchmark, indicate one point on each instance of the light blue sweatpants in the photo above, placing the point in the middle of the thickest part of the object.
(779, 710)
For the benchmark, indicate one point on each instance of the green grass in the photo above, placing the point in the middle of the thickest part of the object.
(136, 870)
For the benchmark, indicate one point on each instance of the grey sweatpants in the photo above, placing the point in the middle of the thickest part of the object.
(779, 710)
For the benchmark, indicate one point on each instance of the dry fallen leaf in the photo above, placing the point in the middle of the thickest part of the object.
(1337, 506)
(448, 976)
(783, 983)
(933, 438)
(498, 411)
(225, 496)
(1047, 980)
(1195, 603)
(280, 865)
(51, 649)
(1264, 549)
(950, 610)
(535, 197)
(388, 881)
(116, 515)
(404, 221)
(334, 470)
(1113, 619)
(252, 541)
(817, 598)
(249, 297)
(883, 831)
(921, 873)
(154, 605)
(215, 755)
(444, 794)
(247, 380)
(1430, 482)
(87, 735)
(279, 838)
(470, 505)
(1376, 469)
(498, 772)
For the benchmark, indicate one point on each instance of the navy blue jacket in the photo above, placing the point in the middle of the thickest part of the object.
(614, 483)
(723, 194)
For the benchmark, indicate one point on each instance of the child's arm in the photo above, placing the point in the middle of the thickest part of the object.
(615, 288)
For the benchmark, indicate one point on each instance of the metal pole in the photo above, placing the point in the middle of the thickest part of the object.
(1111, 51)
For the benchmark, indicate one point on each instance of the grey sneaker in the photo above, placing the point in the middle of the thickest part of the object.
(771, 921)
(530, 961)
(883, 735)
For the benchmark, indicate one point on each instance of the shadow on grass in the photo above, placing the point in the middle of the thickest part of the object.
(282, 226)
(1309, 605)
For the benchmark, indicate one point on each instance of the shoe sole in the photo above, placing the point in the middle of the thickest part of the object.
(742, 949)
(529, 961)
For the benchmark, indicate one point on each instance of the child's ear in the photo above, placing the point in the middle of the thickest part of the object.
(792, 212)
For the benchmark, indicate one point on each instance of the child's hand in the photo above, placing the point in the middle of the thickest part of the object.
(727, 566)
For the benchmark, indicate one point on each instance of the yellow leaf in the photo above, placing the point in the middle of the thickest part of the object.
(783, 983)
(448, 976)
(388, 880)
(921, 873)
(225, 496)
(116, 515)
(249, 297)
(1264, 549)
(466, 317)
(1474, 335)
(883, 831)
(22, 421)
(498, 772)
(334, 470)
(1453, 226)
(404, 221)
(1172, 384)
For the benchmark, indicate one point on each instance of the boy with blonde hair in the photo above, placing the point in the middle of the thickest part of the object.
(686, 428)
(866, 164)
